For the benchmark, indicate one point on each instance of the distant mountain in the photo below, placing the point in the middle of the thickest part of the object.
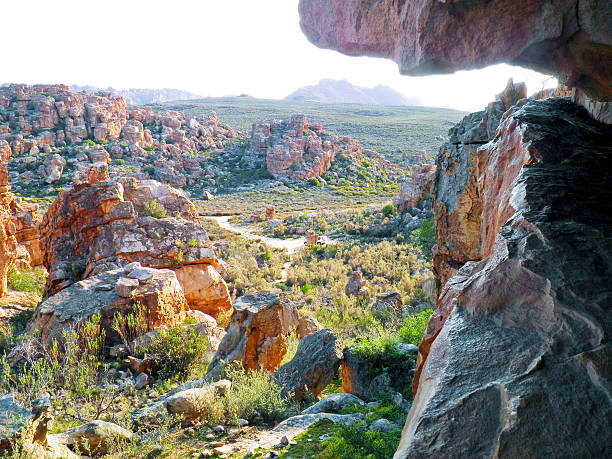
(142, 96)
(341, 91)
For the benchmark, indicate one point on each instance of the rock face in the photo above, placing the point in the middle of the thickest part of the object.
(458, 214)
(93, 228)
(296, 150)
(569, 38)
(420, 184)
(159, 292)
(537, 304)
(315, 364)
(256, 335)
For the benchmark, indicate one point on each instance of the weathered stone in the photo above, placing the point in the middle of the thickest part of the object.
(314, 365)
(568, 38)
(125, 287)
(419, 185)
(306, 326)
(356, 284)
(205, 289)
(544, 267)
(256, 335)
(95, 437)
(333, 404)
(162, 298)
(191, 404)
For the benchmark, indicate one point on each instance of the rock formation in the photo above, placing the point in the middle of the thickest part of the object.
(53, 134)
(296, 150)
(256, 335)
(514, 359)
(419, 185)
(569, 38)
(314, 365)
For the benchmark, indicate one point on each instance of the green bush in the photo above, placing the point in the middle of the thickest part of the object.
(413, 328)
(256, 398)
(155, 209)
(388, 210)
(26, 281)
(306, 289)
(313, 181)
(425, 238)
(176, 352)
(89, 142)
(267, 255)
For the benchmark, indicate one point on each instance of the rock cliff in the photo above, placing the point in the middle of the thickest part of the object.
(514, 361)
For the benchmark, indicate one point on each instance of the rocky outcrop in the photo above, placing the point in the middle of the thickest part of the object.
(314, 365)
(536, 304)
(157, 290)
(419, 185)
(296, 150)
(256, 335)
(356, 285)
(458, 204)
(568, 38)
(8, 242)
(95, 438)
(93, 228)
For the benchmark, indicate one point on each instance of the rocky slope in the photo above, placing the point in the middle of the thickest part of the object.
(53, 133)
(514, 359)
(136, 96)
(341, 91)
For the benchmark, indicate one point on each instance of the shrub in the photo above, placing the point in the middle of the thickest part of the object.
(120, 161)
(413, 328)
(425, 237)
(193, 243)
(306, 288)
(155, 209)
(266, 256)
(176, 352)
(388, 210)
(89, 142)
(313, 181)
(177, 260)
(255, 397)
(131, 326)
(26, 281)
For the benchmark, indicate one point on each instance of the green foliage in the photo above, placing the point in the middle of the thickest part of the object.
(26, 280)
(414, 327)
(425, 237)
(177, 260)
(388, 210)
(193, 243)
(176, 352)
(132, 325)
(267, 255)
(255, 397)
(89, 142)
(306, 289)
(155, 209)
(313, 181)
(148, 148)
(120, 161)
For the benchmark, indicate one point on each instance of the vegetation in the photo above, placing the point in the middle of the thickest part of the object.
(26, 280)
(155, 209)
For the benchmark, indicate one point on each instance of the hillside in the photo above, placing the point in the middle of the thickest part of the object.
(343, 92)
(397, 133)
(135, 96)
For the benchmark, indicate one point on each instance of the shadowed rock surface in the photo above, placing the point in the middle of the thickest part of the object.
(569, 38)
(537, 305)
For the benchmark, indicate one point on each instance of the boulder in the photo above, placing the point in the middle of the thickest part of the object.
(356, 284)
(256, 335)
(192, 404)
(314, 365)
(205, 289)
(306, 326)
(333, 403)
(95, 437)
(161, 296)
(387, 302)
(414, 190)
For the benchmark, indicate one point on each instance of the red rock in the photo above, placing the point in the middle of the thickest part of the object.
(413, 191)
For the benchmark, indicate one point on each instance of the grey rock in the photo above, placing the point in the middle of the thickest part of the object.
(382, 425)
(142, 381)
(333, 403)
(95, 437)
(314, 365)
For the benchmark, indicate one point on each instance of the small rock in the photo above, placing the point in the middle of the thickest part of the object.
(383, 425)
(104, 288)
(142, 380)
(143, 275)
(243, 422)
(219, 430)
(125, 287)
(131, 267)
(284, 440)
(206, 453)
(223, 450)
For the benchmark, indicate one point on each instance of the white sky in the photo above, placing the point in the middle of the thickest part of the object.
(209, 47)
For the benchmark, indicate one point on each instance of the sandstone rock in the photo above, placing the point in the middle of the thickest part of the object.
(356, 284)
(550, 38)
(306, 326)
(270, 213)
(388, 301)
(191, 404)
(163, 298)
(413, 191)
(542, 267)
(95, 437)
(125, 287)
(256, 334)
(205, 289)
(333, 403)
(314, 365)
(311, 238)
